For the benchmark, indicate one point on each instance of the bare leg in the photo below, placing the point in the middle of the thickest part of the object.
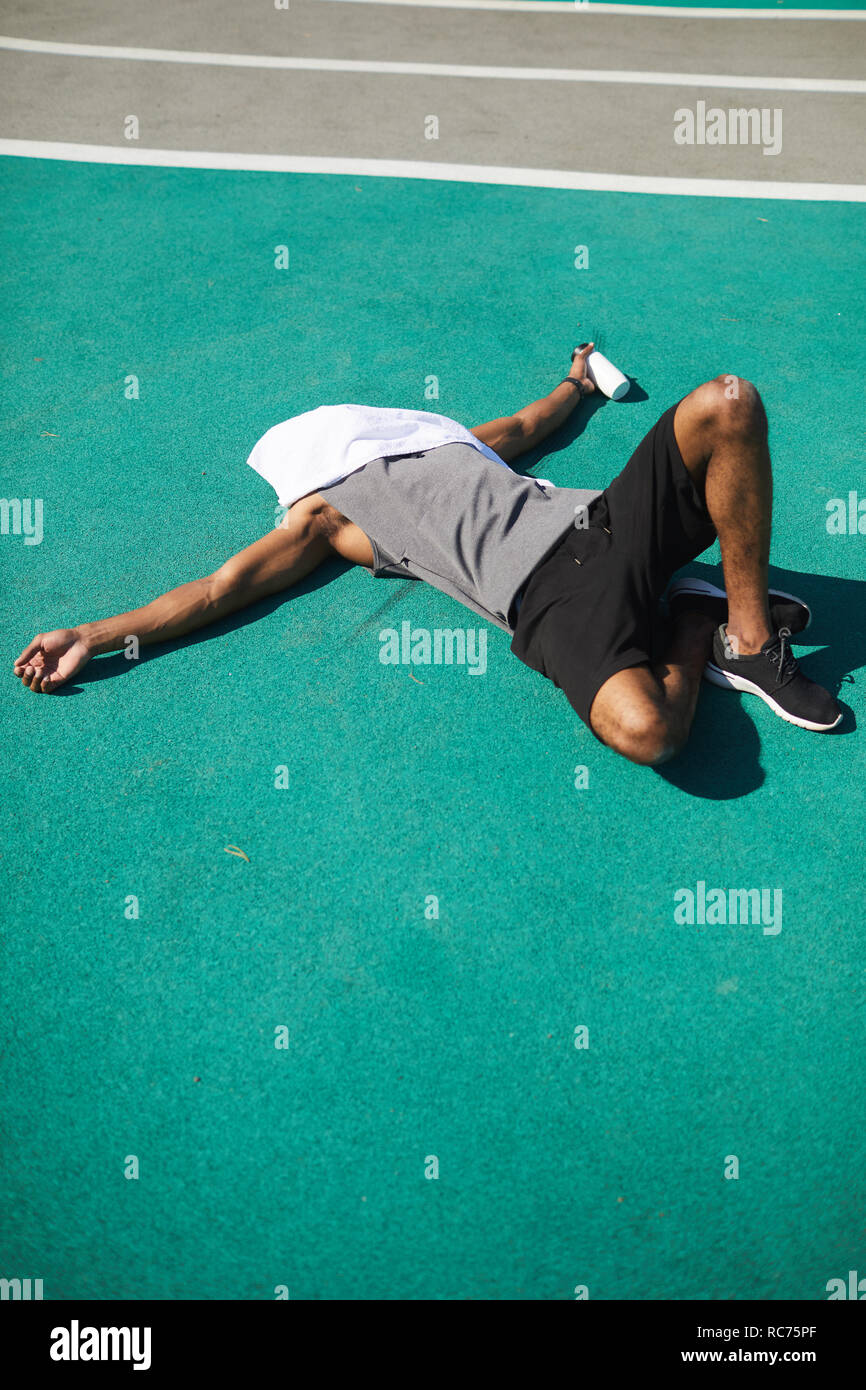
(646, 712)
(723, 441)
(721, 429)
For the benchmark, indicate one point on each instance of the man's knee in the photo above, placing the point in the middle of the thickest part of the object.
(732, 405)
(644, 736)
(628, 714)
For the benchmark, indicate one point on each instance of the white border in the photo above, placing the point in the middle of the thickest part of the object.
(633, 11)
(455, 173)
(604, 76)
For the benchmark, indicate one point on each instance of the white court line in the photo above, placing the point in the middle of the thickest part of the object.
(454, 173)
(633, 11)
(261, 60)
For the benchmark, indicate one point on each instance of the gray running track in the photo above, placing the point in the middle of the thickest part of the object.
(619, 129)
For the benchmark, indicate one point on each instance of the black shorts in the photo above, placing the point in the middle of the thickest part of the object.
(592, 607)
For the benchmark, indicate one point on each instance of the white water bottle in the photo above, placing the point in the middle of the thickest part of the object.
(608, 378)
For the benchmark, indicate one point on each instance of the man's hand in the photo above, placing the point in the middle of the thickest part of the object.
(578, 368)
(51, 659)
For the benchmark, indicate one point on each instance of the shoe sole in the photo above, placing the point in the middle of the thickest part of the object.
(717, 676)
(703, 589)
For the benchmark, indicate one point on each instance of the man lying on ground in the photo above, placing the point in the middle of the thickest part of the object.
(574, 575)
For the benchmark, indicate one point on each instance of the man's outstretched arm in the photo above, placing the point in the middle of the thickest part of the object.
(513, 435)
(271, 564)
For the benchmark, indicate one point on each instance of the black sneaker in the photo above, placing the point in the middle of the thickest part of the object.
(786, 610)
(775, 675)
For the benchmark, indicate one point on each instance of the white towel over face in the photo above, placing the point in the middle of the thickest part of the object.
(321, 447)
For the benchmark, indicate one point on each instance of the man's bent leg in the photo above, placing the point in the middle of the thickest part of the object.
(721, 431)
(645, 713)
(722, 437)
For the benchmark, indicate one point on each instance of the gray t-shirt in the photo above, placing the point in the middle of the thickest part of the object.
(466, 524)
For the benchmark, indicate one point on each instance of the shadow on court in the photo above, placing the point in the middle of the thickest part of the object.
(721, 760)
(104, 668)
(562, 438)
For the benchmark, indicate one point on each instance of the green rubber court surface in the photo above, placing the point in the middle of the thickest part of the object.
(411, 1036)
